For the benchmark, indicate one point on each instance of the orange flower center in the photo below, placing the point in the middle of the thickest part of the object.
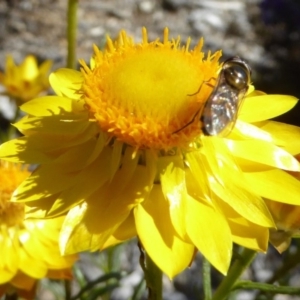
(143, 94)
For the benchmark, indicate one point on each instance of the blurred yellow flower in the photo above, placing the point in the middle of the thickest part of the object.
(26, 81)
(28, 249)
(112, 157)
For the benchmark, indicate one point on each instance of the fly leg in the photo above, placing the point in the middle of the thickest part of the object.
(197, 112)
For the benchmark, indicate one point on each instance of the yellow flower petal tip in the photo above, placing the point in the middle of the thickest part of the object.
(125, 165)
(25, 81)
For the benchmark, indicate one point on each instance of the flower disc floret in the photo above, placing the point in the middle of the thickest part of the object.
(142, 93)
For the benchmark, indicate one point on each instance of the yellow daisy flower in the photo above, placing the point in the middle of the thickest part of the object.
(28, 249)
(26, 81)
(116, 157)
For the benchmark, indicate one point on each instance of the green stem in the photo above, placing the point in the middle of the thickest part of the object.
(153, 276)
(91, 284)
(206, 279)
(234, 274)
(71, 33)
(67, 284)
(270, 288)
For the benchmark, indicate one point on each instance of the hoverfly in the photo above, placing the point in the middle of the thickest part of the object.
(221, 108)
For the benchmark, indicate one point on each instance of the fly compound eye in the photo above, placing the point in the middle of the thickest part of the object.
(236, 75)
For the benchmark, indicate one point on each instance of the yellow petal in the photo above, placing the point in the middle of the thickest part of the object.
(174, 190)
(158, 237)
(243, 130)
(229, 184)
(116, 158)
(29, 68)
(26, 283)
(17, 151)
(286, 136)
(276, 185)
(37, 185)
(124, 232)
(45, 126)
(209, 231)
(89, 225)
(10, 254)
(75, 236)
(9, 63)
(112, 206)
(260, 108)
(286, 216)
(281, 240)
(41, 243)
(246, 204)
(44, 68)
(6, 276)
(60, 274)
(40, 148)
(84, 154)
(248, 234)
(264, 153)
(51, 105)
(252, 92)
(198, 179)
(65, 83)
(92, 178)
(244, 232)
(37, 269)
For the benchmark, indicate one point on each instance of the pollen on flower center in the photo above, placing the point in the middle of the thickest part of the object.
(156, 90)
(143, 93)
